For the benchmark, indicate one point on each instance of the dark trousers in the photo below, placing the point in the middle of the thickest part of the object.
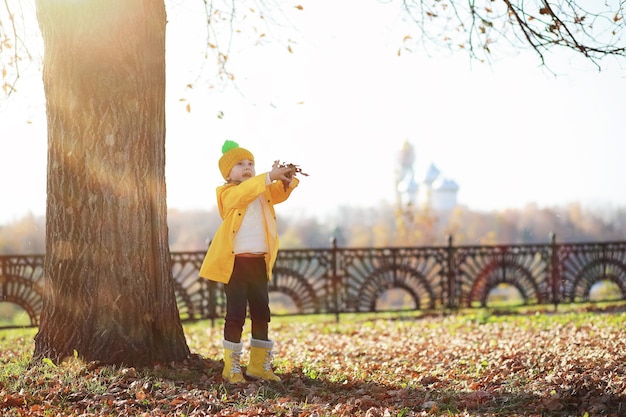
(247, 288)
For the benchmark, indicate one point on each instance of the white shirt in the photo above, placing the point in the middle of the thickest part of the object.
(251, 235)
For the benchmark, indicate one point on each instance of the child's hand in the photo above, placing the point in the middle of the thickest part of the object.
(288, 172)
(284, 174)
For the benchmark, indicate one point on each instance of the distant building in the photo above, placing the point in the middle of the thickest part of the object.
(433, 190)
(443, 195)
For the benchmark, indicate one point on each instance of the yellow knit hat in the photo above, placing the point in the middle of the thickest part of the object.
(231, 154)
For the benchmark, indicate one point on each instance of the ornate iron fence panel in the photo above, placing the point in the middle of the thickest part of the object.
(585, 264)
(480, 269)
(368, 273)
(197, 298)
(305, 276)
(338, 280)
(21, 283)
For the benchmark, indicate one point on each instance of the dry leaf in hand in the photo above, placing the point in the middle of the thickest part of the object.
(295, 169)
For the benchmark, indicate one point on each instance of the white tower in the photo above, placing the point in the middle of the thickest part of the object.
(406, 186)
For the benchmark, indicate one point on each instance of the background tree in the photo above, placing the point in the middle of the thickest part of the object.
(109, 291)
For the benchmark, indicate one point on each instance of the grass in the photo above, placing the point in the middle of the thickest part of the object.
(487, 362)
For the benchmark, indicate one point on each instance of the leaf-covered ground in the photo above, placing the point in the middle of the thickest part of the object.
(477, 364)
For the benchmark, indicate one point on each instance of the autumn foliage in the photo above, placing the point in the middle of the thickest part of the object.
(377, 226)
(407, 364)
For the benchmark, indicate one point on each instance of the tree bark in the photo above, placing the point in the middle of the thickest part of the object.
(109, 293)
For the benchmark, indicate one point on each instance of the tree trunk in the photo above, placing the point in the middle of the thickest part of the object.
(109, 293)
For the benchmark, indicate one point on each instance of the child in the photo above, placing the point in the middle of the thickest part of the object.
(242, 255)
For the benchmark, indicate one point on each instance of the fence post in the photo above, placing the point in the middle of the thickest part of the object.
(334, 278)
(554, 271)
(451, 276)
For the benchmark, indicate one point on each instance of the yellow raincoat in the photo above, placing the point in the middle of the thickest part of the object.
(232, 201)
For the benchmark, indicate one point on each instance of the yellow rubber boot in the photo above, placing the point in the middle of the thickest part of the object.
(232, 358)
(260, 365)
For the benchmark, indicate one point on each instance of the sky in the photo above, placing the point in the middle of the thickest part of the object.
(341, 104)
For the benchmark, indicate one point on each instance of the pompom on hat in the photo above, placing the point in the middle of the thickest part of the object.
(231, 154)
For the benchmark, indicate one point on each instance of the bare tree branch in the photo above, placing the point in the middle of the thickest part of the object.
(5, 43)
(13, 48)
(593, 29)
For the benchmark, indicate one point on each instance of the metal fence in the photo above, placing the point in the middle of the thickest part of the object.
(340, 280)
